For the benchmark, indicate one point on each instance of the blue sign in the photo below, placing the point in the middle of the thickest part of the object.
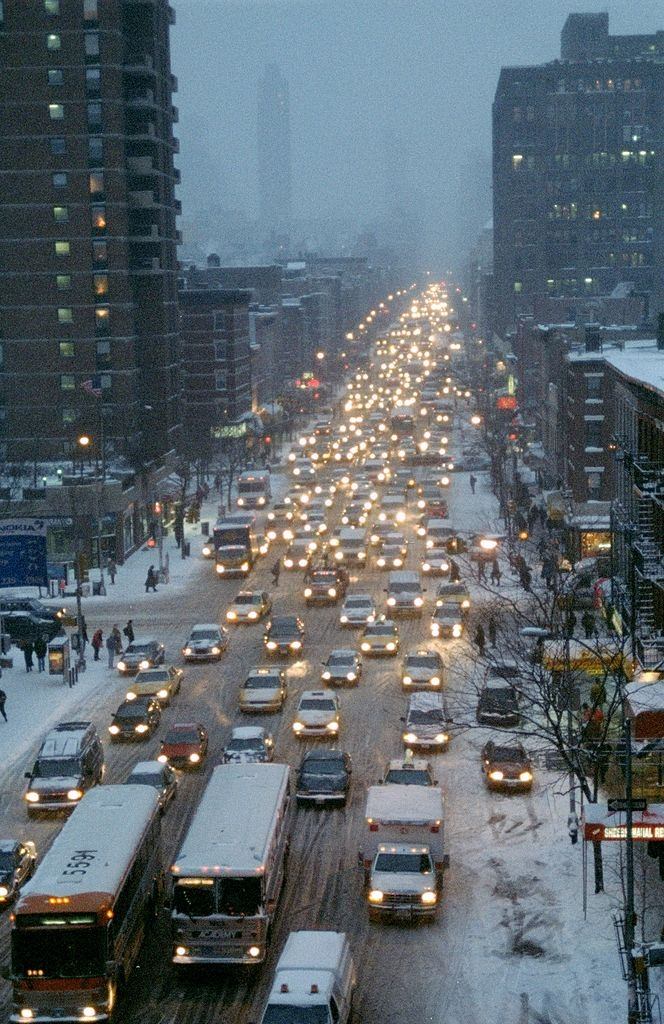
(23, 553)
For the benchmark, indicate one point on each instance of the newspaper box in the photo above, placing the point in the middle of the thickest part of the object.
(58, 656)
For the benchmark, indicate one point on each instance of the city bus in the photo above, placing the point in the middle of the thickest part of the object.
(228, 875)
(253, 488)
(78, 925)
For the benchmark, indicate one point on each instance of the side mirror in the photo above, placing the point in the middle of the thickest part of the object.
(27, 775)
(402, 719)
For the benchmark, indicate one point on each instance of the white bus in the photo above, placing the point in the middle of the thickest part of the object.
(229, 872)
(79, 923)
(254, 488)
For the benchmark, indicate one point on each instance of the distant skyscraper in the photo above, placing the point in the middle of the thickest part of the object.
(274, 152)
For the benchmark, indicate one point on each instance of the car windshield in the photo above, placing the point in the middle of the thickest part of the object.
(282, 1014)
(143, 779)
(204, 634)
(247, 599)
(160, 675)
(132, 710)
(356, 542)
(283, 628)
(433, 716)
(7, 862)
(404, 863)
(407, 587)
(317, 704)
(408, 777)
(340, 659)
(421, 661)
(381, 631)
(260, 682)
(240, 743)
(182, 736)
(507, 754)
(139, 649)
(325, 577)
(357, 603)
(323, 767)
(58, 768)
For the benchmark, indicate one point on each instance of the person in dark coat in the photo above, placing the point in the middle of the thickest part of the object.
(97, 641)
(480, 639)
(481, 569)
(129, 631)
(84, 631)
(492, 630)
(28, 650)
(473, 482)
(588, 623)
(40, 650)
(112, 569)
(455, 573)
(275, 570)
(495, 572)
(3, 700)
(151, 580)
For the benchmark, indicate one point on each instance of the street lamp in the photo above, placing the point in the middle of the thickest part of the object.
(84, 444)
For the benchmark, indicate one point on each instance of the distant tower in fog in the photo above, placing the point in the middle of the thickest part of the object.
(274, 154)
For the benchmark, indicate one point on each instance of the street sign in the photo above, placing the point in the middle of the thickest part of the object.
(617, 805)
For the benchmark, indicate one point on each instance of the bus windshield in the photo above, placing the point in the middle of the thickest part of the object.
(59, 952)
(237, 897)
(231, 535)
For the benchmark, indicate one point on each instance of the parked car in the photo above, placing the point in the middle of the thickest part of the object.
(506, 766)
(23, 626)
(17, 864)
(248, 744)
(139, 655)
(160, 777)
(317, 714)
(206, 642)
(135, 719)
(249, 606)
(185, 745)
(342, 666)
(323, 777)
(161, 683)
(264, 689)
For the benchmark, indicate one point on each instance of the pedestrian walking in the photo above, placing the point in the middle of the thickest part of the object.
(533, 516)
(28, 650)
(40, 651)
(570, 622)
(275, 570)
(97, 641)
(3, 701)
(62, 586)
(492, 630)
(525, 578)
(112, 569)
(495, 572)
(115, 633)
(151, 580)
(473, 482)
(541, 547)
(588, 623)
(481, 569)
(129, 631)
(455, 572)
(480, 639)
(84, 631)
(111, 648)
(308, 573)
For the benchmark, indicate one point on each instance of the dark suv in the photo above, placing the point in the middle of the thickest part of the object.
(284, 635)
(70, 761)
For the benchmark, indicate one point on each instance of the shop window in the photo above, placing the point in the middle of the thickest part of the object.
(53, 41)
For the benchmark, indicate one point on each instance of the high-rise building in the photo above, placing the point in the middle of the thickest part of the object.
(88, 272)
(274, 154)
(578, 156)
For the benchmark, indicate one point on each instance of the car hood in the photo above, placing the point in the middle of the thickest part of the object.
(203, 645)
(259, 696)
(61, 782)
(511, 768)
(395, 881)
(422, 673)
(180, 749)
(244, 756)
(316, 717)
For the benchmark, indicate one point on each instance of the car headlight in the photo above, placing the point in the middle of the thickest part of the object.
(308, 591)
(435, 629)
(288, 535)
(141, 728)
(295, 645)
(114, 729)
(288, 562)
(74, 794)
(400, 517)
(391, 601)
(220, 568)
(526, 777)
(343, 619)
(361, 555)
(162, 694)
(456, 630)
(245, 567)
(207, 551)
(397, 563)
(252, 615)
(298, 726)
(365, 646)
(122, 666)
(429, 897)
(390, 645)
(407, 680)
(496, 776)
(302, 563)
(421, 503)
(187, 651)
(426, 567)
(441, 737)
(261, 501)
(429, 543)
(351, 677)
(231, 616)
(271, 645)
(240, 501)
(143, 664)
(32, 797)
(332, 727)
(4, 892)
(216, 650)
(194, 758)
(376, 896)
(410, 737)
(332, 592)
(418, 602)
(339, 556)
(326, 675)
(465, 603)
(380, 562)
(272, 534)
(435, 681)
(162, 758)
(130, 695)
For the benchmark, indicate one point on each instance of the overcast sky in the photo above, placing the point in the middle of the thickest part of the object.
(386, 95)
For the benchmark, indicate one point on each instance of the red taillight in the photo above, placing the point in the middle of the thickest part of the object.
(435, 828)
(373, 827)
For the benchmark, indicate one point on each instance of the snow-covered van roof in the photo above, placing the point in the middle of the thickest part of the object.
(307, 969)
(107, 824)
(233, 825)
(404, 803)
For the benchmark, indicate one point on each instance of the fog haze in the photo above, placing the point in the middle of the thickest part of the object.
(390, 102)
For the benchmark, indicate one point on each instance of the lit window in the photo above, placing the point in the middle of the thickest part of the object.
(63, 282)
(102, 317)
(55, 77)
(52, 6)
(56, 111)
(517, 160)
(53, 41)
(68, 416)
(93, 79)
(65, 314)
(60, 214)
(67, 349)
(99, 217)
(67, 382)
(100, 282)
(100, 251)
(59, 179)
(96, 183)
(518, 287)
(57, 146)
(62, 248)
(91, 44)
(90, 11)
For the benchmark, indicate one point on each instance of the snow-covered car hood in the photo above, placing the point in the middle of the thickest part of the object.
(260, 696)
(421, 673)
(244, 756)
(56, 784)
(316, 717)
(406, 882)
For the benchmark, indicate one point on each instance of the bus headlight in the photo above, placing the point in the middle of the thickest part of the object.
(429, 897)
(375, 896)
(27, 1014)
(456, 630)
(88, 1011)
(308, 591)
(74, 794)
(254, 951)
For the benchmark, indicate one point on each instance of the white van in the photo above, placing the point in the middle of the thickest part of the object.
(404, 593)
(315, 976)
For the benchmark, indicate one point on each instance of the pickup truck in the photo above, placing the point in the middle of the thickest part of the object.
(403, 853)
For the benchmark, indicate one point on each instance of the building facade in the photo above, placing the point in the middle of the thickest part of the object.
(578, 151)
(89, 322)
